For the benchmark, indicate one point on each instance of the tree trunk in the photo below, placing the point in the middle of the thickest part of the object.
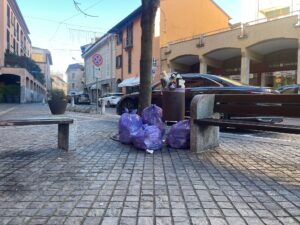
(149, 8)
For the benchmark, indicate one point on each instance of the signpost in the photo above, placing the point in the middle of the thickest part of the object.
(97, 60)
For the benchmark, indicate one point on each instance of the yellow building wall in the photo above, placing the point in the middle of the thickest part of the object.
(183, 19)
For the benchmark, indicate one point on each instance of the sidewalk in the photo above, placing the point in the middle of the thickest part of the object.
(245, 181)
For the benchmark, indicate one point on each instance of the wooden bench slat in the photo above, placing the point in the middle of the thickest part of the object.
(249, 125)
(258, 98)
(258, 110)
(25, 122)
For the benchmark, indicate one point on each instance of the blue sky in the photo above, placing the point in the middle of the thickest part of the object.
(59, 27)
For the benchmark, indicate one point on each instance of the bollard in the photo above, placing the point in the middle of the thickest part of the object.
(72, 101)
(102, 107)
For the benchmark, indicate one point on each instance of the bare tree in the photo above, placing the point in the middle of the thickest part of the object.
(149, 8)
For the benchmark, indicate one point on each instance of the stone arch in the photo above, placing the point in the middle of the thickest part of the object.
(188, 63)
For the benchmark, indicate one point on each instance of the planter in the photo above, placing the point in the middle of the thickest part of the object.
(57, 106)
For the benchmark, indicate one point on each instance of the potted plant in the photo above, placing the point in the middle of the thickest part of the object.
(57, 101)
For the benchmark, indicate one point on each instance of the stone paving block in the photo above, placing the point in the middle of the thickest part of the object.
(128, 221)
(145, 220)
(92, 220)
(55, 220)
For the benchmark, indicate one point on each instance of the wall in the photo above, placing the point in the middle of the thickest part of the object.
(107, 70)
(122, 73)
(77, 80)
(184, 19)
(40, 56)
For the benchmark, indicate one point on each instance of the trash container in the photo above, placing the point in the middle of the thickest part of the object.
(173, 104)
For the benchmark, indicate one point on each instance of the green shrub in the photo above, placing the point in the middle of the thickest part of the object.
(14, 60)
(57, 94)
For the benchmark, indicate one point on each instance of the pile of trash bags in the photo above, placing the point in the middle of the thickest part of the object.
(147, 132)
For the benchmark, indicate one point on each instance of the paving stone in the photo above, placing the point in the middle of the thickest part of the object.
(110, 221)
(128, 220)
(96, 212)
(163, 221)
(92, 220)
(55, 220)
(145, 221)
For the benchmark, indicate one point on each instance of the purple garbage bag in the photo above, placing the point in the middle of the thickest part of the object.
(152, 115)
(148, 137)
(129, 124)
(179, 135)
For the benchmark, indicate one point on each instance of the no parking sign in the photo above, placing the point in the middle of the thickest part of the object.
(97, 60)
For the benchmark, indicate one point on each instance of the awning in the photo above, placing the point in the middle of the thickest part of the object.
(130, 82)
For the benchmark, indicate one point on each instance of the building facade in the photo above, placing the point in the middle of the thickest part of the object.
(128, 50)
(184, 19)
(59, 83)
(17, 84)
(255, 53)
(44, 59)
(76, 80)
(100, 66)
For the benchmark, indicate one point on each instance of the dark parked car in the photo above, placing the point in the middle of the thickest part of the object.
(289, 89)
(79, 99)
(196, 84)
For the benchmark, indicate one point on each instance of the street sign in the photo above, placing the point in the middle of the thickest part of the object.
(97, 59)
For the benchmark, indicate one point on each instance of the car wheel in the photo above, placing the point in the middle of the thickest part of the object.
(108, 104)
(129, 104)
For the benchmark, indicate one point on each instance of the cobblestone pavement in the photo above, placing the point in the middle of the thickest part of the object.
(246, 180)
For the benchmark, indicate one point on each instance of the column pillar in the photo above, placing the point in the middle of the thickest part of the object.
(245, 68)
(298, 65)
(263, 80)
(203, 65)
(22, 89)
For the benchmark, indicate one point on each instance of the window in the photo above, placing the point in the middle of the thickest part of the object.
(120, 38)
(18, 30)
(290, 91)
(12, 18)
(15, 30)
(8, 40)
(8, 16)
(129, 61)
(119, 61)
(129, 38)
(17, 49)
(200, 82)
(73, 85)
(14, 45)
(73, 75)
(22, 43)
(154, 62)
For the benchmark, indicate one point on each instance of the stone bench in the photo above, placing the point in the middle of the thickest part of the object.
(63, 128)
(206, 120)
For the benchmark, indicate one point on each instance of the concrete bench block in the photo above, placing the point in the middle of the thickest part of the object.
(203, 138)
